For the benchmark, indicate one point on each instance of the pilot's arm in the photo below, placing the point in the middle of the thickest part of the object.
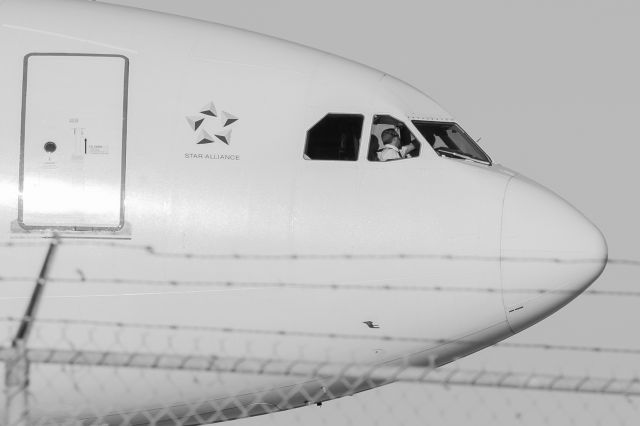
(406, 149)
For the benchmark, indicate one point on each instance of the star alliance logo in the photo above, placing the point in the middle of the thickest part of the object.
(210, 127)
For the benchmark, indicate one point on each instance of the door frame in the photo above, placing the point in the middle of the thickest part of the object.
(125, 106)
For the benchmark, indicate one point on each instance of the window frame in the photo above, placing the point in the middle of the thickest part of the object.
(407, 123)
(489, 161)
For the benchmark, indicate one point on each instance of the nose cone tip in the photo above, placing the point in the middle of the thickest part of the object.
(550, 253)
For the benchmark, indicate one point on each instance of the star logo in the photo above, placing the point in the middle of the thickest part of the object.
(210, 126)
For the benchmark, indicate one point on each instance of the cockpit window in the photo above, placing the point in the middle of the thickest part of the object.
(335, 137)
(448, 139)
(391, 140)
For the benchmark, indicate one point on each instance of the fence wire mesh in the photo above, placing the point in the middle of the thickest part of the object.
(76, 371)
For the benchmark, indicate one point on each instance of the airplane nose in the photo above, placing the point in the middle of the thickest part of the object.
(550, 253)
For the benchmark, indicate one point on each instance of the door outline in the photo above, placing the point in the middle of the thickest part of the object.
(125, 101)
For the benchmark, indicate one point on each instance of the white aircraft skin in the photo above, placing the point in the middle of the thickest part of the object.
(426, 221)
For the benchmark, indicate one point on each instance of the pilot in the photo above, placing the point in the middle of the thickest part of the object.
(393, 148)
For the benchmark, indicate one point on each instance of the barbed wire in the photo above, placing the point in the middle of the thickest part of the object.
(17, 279)
(628, 262)
(345, 256)
(328, 256)
(325, 286)
(335, 286)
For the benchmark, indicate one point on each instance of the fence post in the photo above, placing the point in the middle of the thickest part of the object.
(16, 385)
(16, 375)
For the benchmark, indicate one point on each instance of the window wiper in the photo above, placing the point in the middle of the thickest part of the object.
(457, 154)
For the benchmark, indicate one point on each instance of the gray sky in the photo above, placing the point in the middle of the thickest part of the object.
(552, 88)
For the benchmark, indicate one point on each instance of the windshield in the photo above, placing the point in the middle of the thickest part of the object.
(450, 140)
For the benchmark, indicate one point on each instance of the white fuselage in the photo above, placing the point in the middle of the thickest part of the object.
(427, 222)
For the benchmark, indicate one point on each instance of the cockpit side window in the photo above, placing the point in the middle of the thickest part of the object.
(449, 140)
(391, 140)
(335, 137)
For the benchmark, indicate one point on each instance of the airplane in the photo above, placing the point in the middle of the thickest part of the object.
(226, 193)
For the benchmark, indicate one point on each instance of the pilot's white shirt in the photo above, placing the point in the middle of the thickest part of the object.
(391, 152)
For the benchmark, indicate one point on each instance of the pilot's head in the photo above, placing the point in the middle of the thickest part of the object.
(390, 137)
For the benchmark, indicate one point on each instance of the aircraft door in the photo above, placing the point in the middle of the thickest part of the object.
(72, 164)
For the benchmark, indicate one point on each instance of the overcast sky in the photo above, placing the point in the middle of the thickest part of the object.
(552, 88)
